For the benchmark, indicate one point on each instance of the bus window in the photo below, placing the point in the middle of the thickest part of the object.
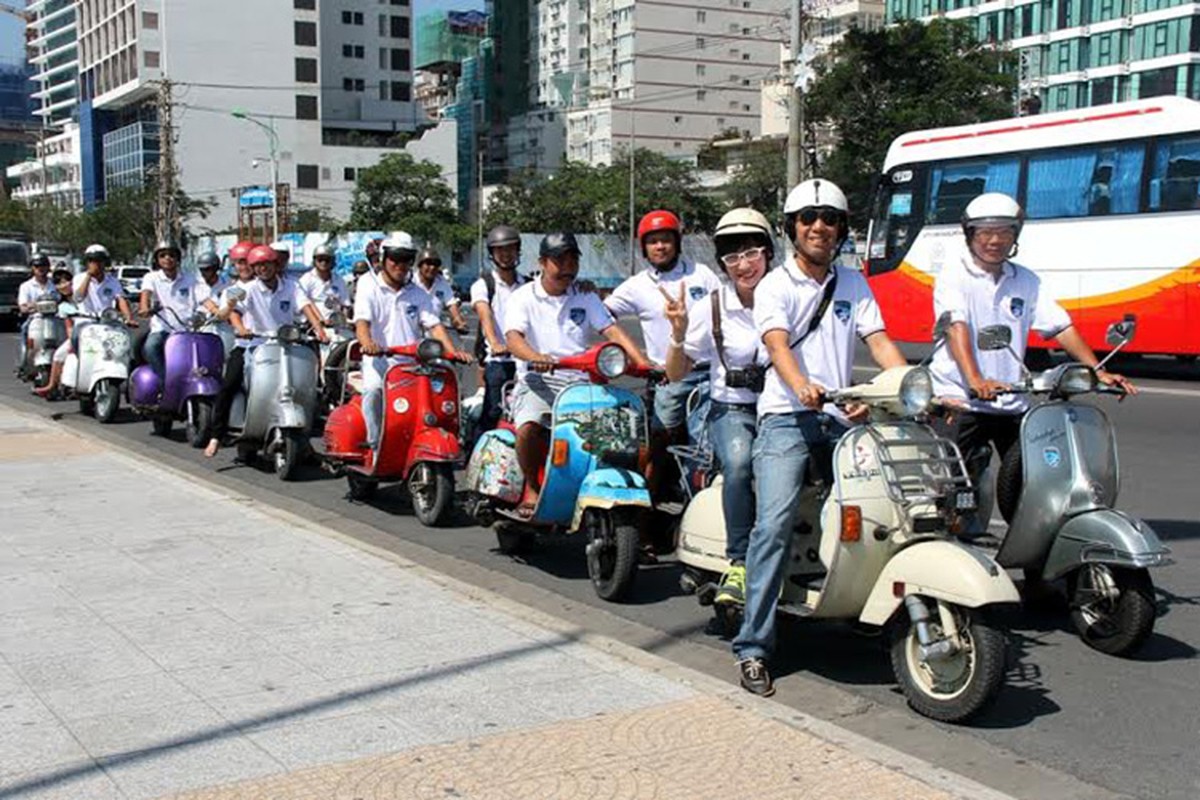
(894, 224)
(1175, 184)
(1085, 182)
(954, 185)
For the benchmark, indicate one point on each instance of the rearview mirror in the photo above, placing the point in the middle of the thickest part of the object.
(941, 327)
(1121, 333)
(237, 293)
(994, 337)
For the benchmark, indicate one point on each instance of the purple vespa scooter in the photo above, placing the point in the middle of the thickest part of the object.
(195, 362)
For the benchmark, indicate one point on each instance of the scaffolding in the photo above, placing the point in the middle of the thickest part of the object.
(445, 38)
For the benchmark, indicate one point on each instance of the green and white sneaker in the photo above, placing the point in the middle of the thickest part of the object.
(732, 590)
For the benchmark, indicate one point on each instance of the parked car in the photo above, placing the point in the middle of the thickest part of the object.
(130, 276)
(14, 270)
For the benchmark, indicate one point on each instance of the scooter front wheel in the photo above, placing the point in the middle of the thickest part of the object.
(612, 552)
(108, 400)
(1112, 608)
(949, 686)
(288, 455)
(431, 487)
(199, 421)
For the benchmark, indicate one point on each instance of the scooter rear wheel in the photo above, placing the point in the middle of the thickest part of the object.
(1112, 609)
(950, 689)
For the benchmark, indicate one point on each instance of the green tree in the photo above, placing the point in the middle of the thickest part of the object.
(400, 193)
(880, 84)
(759, 178)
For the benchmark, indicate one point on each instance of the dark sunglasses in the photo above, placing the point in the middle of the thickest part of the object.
(323, 258)
(830, 216)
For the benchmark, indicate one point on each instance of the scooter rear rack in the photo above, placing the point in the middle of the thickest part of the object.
(928, 478)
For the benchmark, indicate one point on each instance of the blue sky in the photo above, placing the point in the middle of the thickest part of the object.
(12, 37)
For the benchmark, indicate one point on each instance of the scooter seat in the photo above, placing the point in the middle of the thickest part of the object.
(354, 381)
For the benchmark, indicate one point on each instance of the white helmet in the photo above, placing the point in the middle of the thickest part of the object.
(742, 221)
(96, 252)
(992, 210)
(398, 240)
(813, 193)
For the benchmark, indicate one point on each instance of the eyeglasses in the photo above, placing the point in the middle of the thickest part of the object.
(830, 216)
(323, 258)
(749, 254)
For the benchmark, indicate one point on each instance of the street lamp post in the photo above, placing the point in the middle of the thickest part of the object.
(274, 140)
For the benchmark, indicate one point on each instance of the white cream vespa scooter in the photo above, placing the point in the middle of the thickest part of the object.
(873, 546)
(100, 367)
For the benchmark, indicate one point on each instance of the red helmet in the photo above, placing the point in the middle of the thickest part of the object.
(240, 250)
(261, 254)
(659, 221)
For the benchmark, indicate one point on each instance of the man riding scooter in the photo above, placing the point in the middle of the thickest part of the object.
(547, 319)
(322, 284)
(209, 267)
(391, 311)
(661, 235)
(984, 287)
(175, 295)
(270, 301)
(490, 296)
(441, 295)
(810, 314)
(29, 292)
(93, 291)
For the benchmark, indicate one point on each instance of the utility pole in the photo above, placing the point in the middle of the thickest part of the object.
(479, 212)
(795, 140)
(632, 187)
(167, 224)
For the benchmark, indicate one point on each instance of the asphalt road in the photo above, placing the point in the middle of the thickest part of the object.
(1071, 723)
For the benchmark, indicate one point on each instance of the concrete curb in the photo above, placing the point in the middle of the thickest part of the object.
(912, 766)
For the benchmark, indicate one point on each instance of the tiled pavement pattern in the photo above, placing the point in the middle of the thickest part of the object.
(158, 637)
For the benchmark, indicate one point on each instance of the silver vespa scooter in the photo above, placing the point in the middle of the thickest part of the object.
(272, 415)
(1057, 490)
(46, 332)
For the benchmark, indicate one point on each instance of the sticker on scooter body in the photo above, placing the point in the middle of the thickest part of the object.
(1052, 456)
(400, 405)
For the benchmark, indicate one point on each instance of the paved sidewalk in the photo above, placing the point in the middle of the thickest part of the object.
(158, 638)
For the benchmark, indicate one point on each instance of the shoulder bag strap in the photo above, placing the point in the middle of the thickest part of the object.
(826, 299)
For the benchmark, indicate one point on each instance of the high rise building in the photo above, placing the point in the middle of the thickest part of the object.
(51, 35)
(607, 75)
(1078, 53)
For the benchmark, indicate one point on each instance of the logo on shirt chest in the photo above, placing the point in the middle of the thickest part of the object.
(439, 294)
(577, 316)
(411, 311)
(841, 310)
(1017, 306)
(696, 292)
(181, 291)
(285, 305)
(106, 291)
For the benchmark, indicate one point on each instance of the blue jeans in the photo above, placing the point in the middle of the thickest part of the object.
(495, 375)
(782, 449)
(670, 400)
(155, 353)
(731, 429)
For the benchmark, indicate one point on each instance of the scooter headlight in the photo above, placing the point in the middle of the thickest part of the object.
(916, 391)
(611, 361)
(430, 350)
(1075, 379)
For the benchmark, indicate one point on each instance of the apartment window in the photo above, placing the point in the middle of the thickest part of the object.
(306, 70)
(307, 176)
(352, 18)
(701, 16)
(1160, 39)
(399, 2)
(353, 85)
(745, 56)
(348, 174)
(306, 34)
(306, 106)
(304, 5)
(678, 119)
(383, 24)
(399, 27)
(401, 61)
(401, 92)
(701, 94)
(700, 70)
(150, 20)
(383, 90)
(699, 42)
(150, 59)
(353, 51)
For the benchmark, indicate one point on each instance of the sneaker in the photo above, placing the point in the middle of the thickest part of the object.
(733, 586)
(755, 678)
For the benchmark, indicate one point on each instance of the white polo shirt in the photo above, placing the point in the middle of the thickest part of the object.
(557, 326)
(741, 342)
(396, 317)
(100, 294)
(183, 296)
(786, 299)
(498, 303)
(264, 311)
(318, 290)
(441, 294)
(217, 290)
(640, 295)
(973, 296)
(31, 291)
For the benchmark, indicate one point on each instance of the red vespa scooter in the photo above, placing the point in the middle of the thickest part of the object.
(418, 442)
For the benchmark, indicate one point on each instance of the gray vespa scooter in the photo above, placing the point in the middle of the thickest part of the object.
(1056, 490)
(46, 332)
(274, 411)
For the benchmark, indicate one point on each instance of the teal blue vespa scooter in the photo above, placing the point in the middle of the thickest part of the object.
(591, 481)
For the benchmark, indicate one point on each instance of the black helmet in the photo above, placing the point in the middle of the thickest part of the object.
(429, 253)
(502, 235)
(557, 244)
(39, 260)
(209, 260)
(165, 246)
